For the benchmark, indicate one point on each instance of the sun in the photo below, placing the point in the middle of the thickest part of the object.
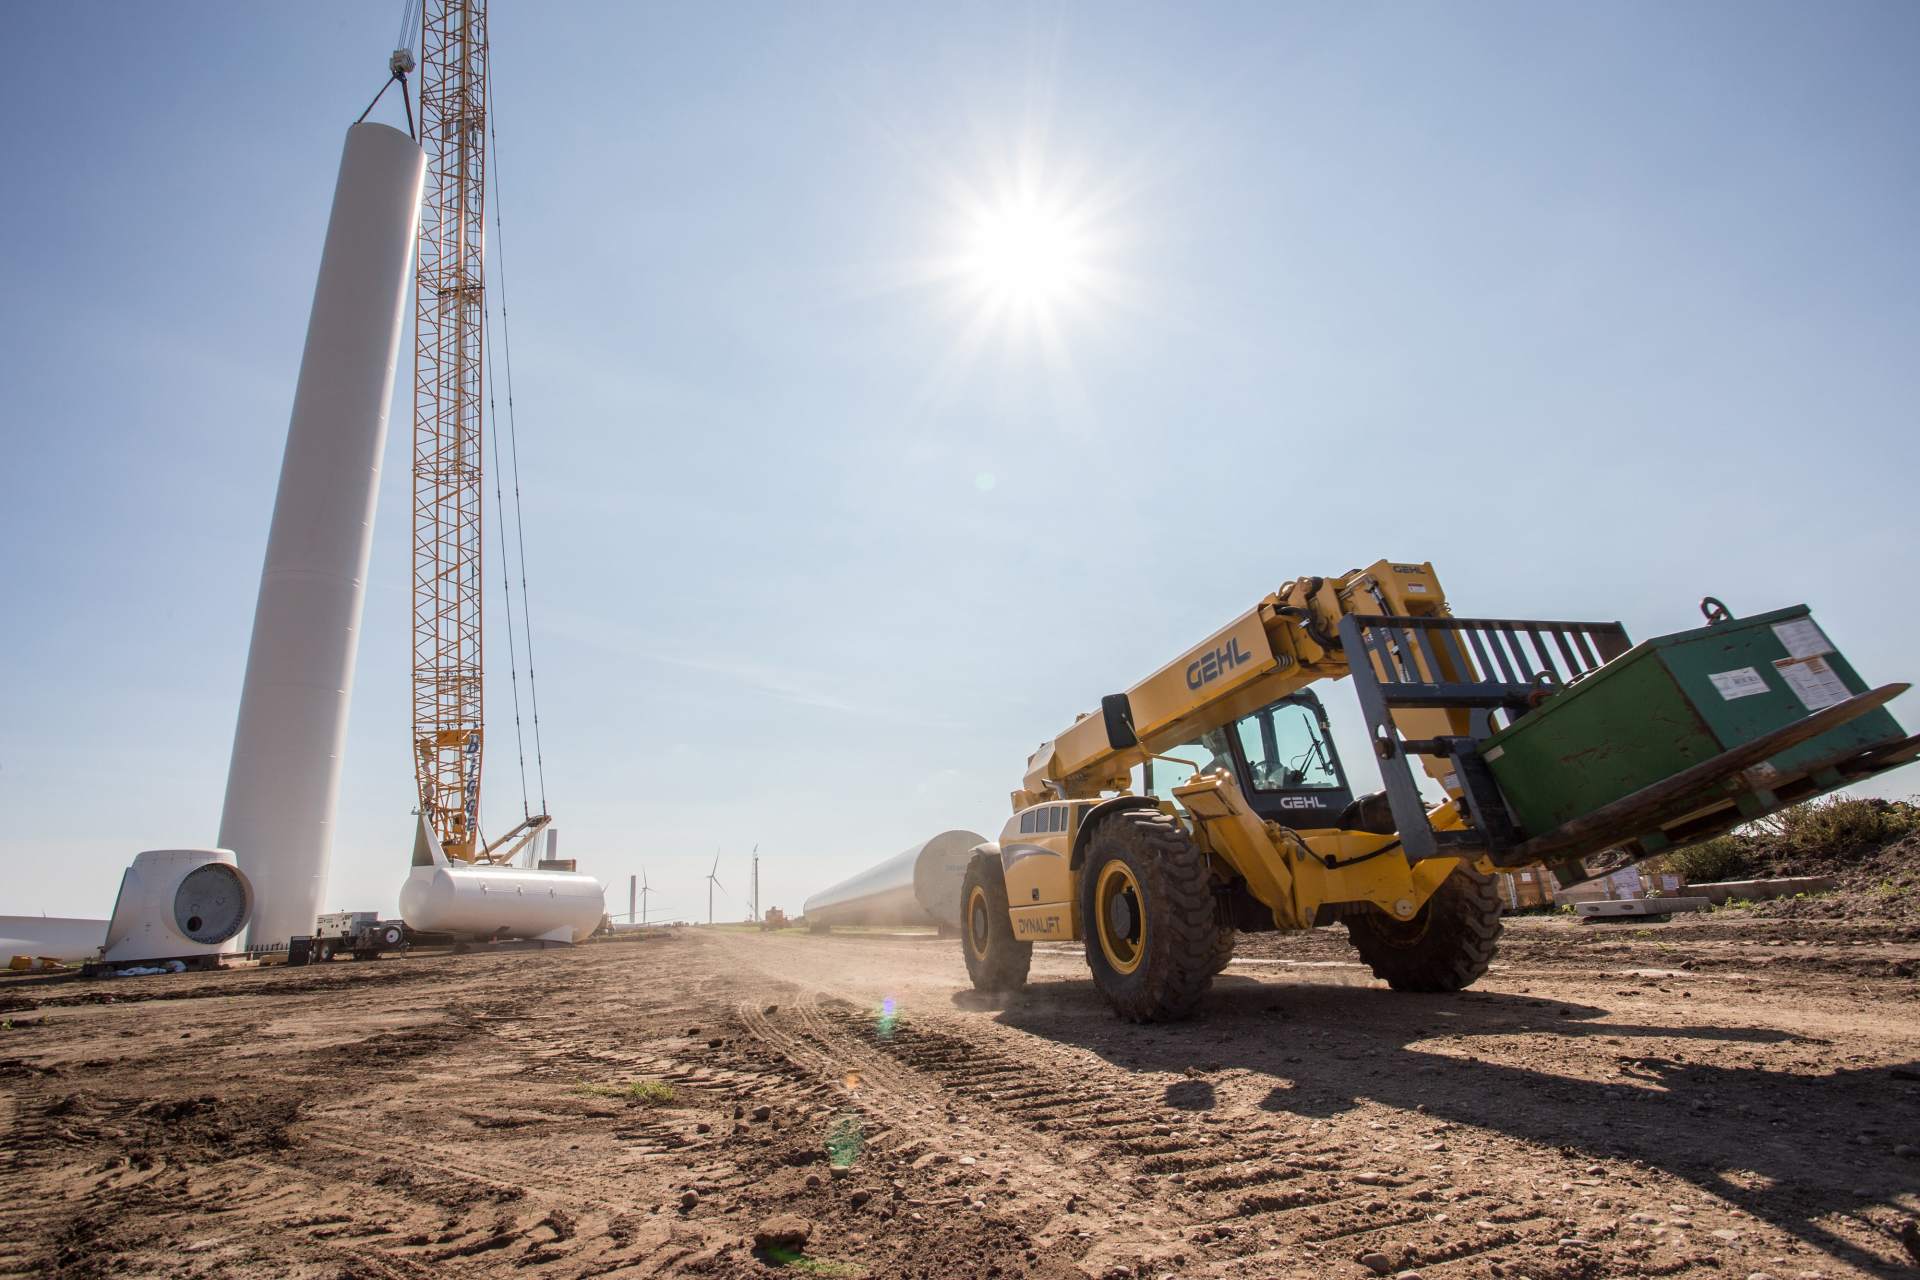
(1030, 259)
(1024, 252)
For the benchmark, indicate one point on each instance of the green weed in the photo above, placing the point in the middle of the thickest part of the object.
(1820, 830)
(652, 1093)
(1839, 824)
(824, 1266)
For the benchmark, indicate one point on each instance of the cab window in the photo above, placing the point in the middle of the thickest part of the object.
(1286, 748)
(1173, 767)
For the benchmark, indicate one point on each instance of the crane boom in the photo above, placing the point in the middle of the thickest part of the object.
(449, 720)
(1283, 644)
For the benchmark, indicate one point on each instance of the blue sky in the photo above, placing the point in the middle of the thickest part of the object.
(1600, 308)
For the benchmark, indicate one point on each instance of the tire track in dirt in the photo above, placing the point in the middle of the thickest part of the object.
(1219, 1187)
(117, 1165)
(976, 1161)
(471, 1121)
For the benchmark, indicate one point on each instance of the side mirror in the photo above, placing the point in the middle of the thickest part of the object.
(1118, 713)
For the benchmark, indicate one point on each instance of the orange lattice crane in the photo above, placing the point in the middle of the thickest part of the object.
(450, 318)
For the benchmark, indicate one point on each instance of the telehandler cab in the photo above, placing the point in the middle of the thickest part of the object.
(1555, 743)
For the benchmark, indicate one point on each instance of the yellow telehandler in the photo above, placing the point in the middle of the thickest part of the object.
(1538, 743)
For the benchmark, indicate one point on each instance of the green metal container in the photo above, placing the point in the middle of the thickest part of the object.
(1674, 702)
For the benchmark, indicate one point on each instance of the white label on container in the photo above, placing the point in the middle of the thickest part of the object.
(1803, 638)
(1743, 683)
(1452, 781)
(1818, 684)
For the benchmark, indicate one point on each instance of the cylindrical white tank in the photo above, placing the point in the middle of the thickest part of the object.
(502, 902)
(919, 886)
(285, 772)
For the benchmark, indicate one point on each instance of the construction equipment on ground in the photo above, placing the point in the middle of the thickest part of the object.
(461, 883)
(451, 384)
(364, 935)
(1542, 743)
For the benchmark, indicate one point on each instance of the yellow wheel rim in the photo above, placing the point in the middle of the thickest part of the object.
(979, 921)
(1119, 920)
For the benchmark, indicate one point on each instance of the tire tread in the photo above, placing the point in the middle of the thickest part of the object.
(1181, 904)
(1005, 965)
(1459, 932)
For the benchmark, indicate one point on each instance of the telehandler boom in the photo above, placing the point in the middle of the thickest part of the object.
(1556, 743)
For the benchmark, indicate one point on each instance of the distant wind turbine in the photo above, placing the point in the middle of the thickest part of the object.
(644, 891)
(713, 882)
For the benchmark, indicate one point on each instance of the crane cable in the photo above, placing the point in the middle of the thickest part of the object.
(506, 563)
(402, 61)
(519, 516)
(410, 16)
(506, 584)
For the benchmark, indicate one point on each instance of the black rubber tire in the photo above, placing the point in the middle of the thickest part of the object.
(1178, 915)
(1446, 946)
(322, 952)
(996, 960)
(1223, 939)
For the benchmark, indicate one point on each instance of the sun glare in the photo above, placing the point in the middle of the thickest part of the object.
(1030, 262)
(1024, 252)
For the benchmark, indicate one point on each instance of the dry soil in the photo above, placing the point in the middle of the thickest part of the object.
(1725, 1097)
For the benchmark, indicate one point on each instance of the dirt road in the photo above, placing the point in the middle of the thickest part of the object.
(1726, 1098)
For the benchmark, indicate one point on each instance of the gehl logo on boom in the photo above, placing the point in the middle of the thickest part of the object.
(1205, 670)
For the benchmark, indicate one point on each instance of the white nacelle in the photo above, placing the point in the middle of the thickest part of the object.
(441, 896)
(178, 904)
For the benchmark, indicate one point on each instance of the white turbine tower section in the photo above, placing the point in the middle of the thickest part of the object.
(285, 773)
